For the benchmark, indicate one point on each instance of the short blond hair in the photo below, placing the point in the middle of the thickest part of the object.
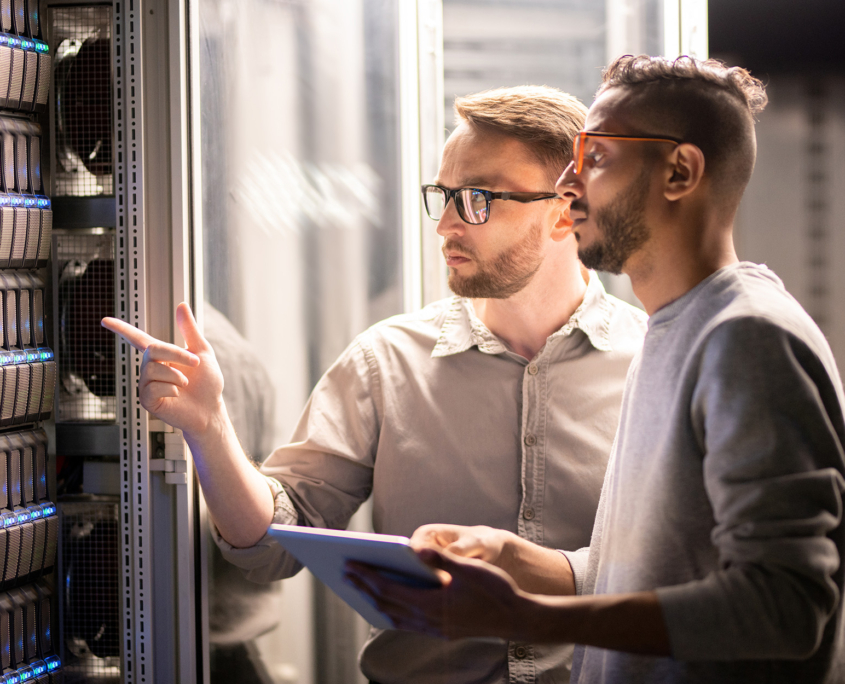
(545, 119)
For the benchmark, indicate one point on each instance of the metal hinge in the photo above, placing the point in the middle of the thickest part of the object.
(170, 453)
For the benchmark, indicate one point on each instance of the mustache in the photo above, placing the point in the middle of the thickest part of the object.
(456, 248)
(579, 205)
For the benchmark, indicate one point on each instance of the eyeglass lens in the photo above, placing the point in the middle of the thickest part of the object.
(578, 152)
(471, 204)
(435, 202)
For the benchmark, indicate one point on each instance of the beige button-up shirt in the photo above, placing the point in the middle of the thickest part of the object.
(436, 418)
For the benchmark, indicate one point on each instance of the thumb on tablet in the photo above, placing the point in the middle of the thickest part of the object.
(439, 563)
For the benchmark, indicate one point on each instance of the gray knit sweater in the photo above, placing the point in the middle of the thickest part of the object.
(724, 492)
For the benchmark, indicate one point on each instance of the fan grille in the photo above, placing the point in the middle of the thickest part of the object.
(84, 275)
(82, 95)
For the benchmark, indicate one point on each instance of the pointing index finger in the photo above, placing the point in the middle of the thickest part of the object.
(163, 352)
(137, 338)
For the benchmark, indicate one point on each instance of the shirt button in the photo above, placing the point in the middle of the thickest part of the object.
(528, 514)
(530, 440)
(532, 369)
(520, 652)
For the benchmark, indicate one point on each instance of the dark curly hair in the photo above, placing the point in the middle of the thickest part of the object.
(704, 102)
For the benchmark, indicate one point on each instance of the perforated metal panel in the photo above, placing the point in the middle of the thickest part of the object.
(89, 567)
(131, 295)
(81, 45)
(84, 278)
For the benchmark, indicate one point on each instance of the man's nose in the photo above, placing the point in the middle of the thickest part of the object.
(450, 223)
(569, 185)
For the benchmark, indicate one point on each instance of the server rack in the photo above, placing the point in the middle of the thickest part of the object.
(123, 165)
(117, 136)
(28, 520)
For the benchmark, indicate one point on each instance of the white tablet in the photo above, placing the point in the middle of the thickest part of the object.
(325, 552)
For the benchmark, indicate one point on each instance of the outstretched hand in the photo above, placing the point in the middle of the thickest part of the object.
(182, 387)
(475, 599)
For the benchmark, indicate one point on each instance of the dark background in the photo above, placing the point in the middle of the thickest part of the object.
(779, 36)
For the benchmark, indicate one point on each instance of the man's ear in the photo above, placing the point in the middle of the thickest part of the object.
(563, 225)
(687, 169)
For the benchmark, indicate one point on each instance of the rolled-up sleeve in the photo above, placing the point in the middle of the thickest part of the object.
(267, 560)
(326, 472)
(578, 561)
(764, 412)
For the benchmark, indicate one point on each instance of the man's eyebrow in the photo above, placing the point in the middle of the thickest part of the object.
(473, 182)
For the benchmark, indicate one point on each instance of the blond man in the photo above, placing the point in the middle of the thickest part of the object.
(494, 407)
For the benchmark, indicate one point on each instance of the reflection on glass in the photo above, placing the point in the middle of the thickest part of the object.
(302, 251)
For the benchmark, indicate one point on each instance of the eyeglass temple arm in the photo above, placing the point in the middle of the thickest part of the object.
(524, 197)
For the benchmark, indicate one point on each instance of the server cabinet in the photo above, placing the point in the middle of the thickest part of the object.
(124, 517)
(125, 164)
(28, 513)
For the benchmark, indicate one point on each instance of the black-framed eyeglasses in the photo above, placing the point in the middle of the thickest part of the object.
(473, 204)
(582, 138)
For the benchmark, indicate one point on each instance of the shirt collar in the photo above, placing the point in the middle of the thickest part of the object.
(463, 330)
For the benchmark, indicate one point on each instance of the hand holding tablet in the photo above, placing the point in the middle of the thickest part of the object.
(325, 553)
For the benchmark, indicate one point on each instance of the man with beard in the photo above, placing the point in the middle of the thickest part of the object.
(718, 545)
(496, 407)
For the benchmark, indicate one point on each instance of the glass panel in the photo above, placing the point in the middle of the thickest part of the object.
(302, 251)
(560, 43)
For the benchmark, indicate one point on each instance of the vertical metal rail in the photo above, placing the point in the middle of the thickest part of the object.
(194, 294)
(421, 139)
(432, 135)
(817, 205)
(131, 287)
(685, 30)
(409, 127)
(183, 73)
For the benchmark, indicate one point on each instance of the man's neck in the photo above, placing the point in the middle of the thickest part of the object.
(661, 275)
(526, 320)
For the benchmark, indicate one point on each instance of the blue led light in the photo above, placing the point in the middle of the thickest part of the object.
(39, 668)
(27, 44)
(43, 202)
(52, 662)
(23, 517)
(17, 201)
(4, 40)
(13, 678)
(14, 42)
(25, 673)
(30, 202)
(42, 47)
(4, 200)
(35, 514)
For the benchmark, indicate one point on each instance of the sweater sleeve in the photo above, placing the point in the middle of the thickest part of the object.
(767, 414)
(578, 562)
(326, 472)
